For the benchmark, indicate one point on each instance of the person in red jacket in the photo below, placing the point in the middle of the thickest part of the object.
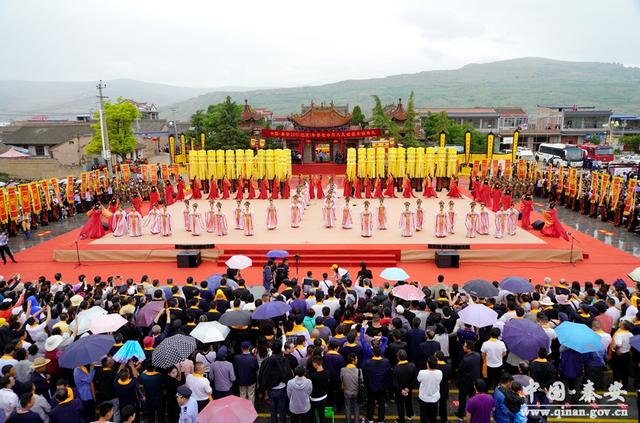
(367, 188)
(286, 188)
(526, 208)
(196, 194)
(226, 185)
(180, 185)
(213, 189)
(357, 188)
(168, 193)
(391, 188)
(496, 196)
(275, 191)
(240, 191)
(137, 202)
(454, 192)
(264, 189)
(319, 190)
(252, 188)
(407, 191)
(154, 195)
(347, 188)
(427, 189)
(377, 188)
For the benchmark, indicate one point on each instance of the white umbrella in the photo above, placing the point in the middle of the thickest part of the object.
(342, 271)
(238, 262)
(207, 332)
(635, 274)
(109, 323)
(394, 274)
(85, 318)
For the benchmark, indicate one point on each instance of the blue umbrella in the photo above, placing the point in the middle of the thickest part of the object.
(394, 274)
(634, 341)
(277, 254)
(270, 310)
(524, 338)
(578, 337)
(86, 350)
(516, 284)
(213, 283)
(129, 350)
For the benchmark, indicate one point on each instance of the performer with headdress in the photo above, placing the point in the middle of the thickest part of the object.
(185, 216)
(247, 220)
(164, 221)
(427, 190)
(347, 222)
(366, 221)
(237, 216)
(210, 217)
(151, 220)
(94, 227)
(195, 218)
(296, 212)
(134, 223)
(419, 215)
(472, 221)
(221, 227)
(451, 214)
(381, 215)
(407, 221)
(272, 215)
(527, 208)
(512, 220)
(454, 191)
(119, 222)
(552, 226)
(483, 223)
(501, 223)
(441, 221)
(329, 213)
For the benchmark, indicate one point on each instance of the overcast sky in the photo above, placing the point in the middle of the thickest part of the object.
(210, 43)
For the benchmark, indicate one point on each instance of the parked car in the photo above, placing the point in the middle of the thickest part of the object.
(632, 158)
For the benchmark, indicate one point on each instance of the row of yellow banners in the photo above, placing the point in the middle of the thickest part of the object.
(234, 164)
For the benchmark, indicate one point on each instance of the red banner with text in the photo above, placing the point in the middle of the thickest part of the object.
(321, 135)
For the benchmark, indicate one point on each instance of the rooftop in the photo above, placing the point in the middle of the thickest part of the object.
(459, 111)
(321, 117)
(43, 133)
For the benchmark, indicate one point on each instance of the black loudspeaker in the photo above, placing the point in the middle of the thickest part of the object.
(447, 259)
(194, 246)
(449, 246)
(189, 258)
(537, 225)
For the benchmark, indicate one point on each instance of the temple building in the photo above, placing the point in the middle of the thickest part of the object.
(397, 114)
(320, 119)
(251, 120)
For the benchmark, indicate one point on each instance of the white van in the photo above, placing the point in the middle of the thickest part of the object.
(560, 154)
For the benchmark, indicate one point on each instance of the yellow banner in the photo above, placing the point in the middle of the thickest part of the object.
(4, 210)
(514, 146)
(70, 190)
(560, 187)
(56, 188)
(604, 187)
(467, 147)
(14, 207)
(631, 197)
(490, 139)
(443, 139)
(25, 198)
(616, 187)
(594, 187)
(35, 196)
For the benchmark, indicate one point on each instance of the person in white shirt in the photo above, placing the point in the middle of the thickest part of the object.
(605, 338)
(613, 311)
(8, 399)
(206, 356)
(199, 386)
(325, 284)
(493, 353)
(543, 321)
(429, 391)
(621, 357)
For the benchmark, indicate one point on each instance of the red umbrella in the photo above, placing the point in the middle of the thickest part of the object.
(148, 313)
(606, 322)
(229, 409)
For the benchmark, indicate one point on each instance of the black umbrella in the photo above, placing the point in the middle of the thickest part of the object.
(480, 288)
(235, 318)
(173, 350)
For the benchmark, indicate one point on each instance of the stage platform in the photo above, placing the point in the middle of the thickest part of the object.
(326, 169)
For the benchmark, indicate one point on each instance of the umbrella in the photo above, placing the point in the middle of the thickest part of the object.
(342, 271)
(238, 262)
(207, 332)
(270, 310)
(129, 350)
(235, 318)
(86, 350)
(524, 338)
(108, 323)
(634, 341)
(277, 254)
(478, 315)
(635, 274)
(213, 283)
(516, 284)
(480, 288)
(578, 337)
(230, 409)
(173, 350)
(394, 274)
(408, 292)
(606, 322)
(85, 318)
(148, 313)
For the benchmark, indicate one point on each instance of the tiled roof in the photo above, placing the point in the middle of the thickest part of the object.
(459, 111)
(321, 117)
(248, 114)
(44, 133)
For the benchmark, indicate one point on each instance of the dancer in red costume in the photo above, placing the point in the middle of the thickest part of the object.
(391, 188)
(507, 199)
(485, 194)
(377, 188)
(225, 188)
(252, 188)
(319, 190)
(213, 189)
(477, 190)
(407, 191)
(496, 196)
(527, 208)
(113, 206)
(357, 188)
(312, 186)
(154, 196)
(196, 194)
(168, 193)
(427, 189)
(367, 188)
(239, 192)
(180, 194)
(454, 192)
(264, 189)
(94, 228)
(275, 191)
(347, 188)
(286, 188)
(137, 202)
(552, 226)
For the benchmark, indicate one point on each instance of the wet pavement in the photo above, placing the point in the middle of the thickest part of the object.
(45, 233)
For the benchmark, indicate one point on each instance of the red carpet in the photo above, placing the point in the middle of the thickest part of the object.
(319, 169)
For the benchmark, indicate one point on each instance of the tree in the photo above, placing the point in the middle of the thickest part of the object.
(379, 119)
(357, 117)
(409, 136)
(221, 125)
(595, 139)
(119, 117)
(632, 141)
(434, 123)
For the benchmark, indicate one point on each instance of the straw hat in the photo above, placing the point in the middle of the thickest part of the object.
(546, 301)
(53, 342)
(39, 362)
(76, 300)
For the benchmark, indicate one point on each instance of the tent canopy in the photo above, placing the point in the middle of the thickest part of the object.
(12, 153)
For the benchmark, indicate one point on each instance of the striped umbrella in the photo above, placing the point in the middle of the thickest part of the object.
(173, 350)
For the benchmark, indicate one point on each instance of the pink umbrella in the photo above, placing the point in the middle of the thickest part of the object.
(148, 313)
(107, 323)
(606, 322)
(229, 409)
(408, 292)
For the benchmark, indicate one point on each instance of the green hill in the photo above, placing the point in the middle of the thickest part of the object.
(524, 82)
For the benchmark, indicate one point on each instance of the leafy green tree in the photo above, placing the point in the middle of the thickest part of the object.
(357, 117)
(119, 117)
(379, 119)
(434, 123)
(220, 123)
(595, 139)
(409, 136)
(632, 141)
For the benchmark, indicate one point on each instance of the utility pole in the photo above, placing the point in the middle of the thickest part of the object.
(106, 151)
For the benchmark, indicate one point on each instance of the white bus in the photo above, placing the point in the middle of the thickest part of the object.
(560, 154)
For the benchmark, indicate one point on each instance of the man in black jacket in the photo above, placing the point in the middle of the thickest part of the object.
(395, 347)
(445, 368)
(469, 370)
(274, 374)
(404, 376)
(427, 349)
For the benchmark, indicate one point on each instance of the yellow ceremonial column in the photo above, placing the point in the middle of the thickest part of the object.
(442, 137)
(420, 168)
(270, 165)
(220, 164)
(281, 165)
(230, 164)
(371, 162)
(261, 163)
(249, 163)
(411, 162)
(452, 162)
(287, 153)
(380, 161)
(240, 171)
(392, 160)
(362, 162)
(193, 164)
(441, 161)
(401, 162)
(211, 165)
(202, 164)
(351, 163)
(467, 147)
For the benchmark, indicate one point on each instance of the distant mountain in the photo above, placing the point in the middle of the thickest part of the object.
(524, 82)
(21, 99)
